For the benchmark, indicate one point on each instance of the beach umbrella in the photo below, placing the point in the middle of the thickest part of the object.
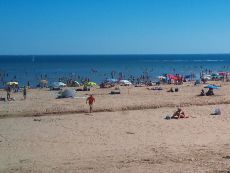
(76, 83)
(90, 84)
(207, 77)
(212, 87)
(170, 76)
(43, 83)
(59, 84)
(161, 77)
(111, 80)
(215, 75)
(12, 83)
(223, 73)
(125, 82)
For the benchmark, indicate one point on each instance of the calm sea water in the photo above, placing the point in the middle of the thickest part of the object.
(99, 67)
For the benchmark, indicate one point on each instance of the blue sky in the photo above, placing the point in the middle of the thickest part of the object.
(114, 26)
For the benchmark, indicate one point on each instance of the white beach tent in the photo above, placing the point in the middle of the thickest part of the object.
(125, 82)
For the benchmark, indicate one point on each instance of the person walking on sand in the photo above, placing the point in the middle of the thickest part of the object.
(24, 92)
(90, 100)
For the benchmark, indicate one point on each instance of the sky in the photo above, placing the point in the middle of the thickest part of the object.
(29, 27)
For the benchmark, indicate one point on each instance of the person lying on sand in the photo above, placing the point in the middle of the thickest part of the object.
(155, 88)
(210, 92)
(170, 90)
(179, 114)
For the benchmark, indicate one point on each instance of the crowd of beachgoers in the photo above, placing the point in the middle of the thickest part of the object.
(121, 79)
(70, 88)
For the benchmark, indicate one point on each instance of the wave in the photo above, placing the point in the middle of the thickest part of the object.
(186, 60)
(209, 60)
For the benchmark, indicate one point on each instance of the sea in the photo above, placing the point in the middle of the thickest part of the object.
(97, 68)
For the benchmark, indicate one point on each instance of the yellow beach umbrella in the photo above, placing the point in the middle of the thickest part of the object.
(44, 81)
(90, 84)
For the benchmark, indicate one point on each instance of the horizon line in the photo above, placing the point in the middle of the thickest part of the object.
(147, 54)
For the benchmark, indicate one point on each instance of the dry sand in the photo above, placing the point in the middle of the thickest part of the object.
(119, 141)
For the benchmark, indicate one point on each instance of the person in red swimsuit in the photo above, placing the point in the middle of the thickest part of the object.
(90, 100)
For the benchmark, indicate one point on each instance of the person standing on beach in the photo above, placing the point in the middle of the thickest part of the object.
(24, 92)
(28, 84)
(8, 90)
(90, 100)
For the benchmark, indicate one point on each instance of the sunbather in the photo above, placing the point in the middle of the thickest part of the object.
(170, 90)
(210, 92)
(179, 114)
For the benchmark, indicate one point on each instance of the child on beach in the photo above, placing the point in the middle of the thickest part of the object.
(90, 100)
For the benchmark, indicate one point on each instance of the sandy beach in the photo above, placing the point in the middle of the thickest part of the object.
(115, 86)
(126, 133)
(43, 101)
(126, 141)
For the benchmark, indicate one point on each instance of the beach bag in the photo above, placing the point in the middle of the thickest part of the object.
(216, 111)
